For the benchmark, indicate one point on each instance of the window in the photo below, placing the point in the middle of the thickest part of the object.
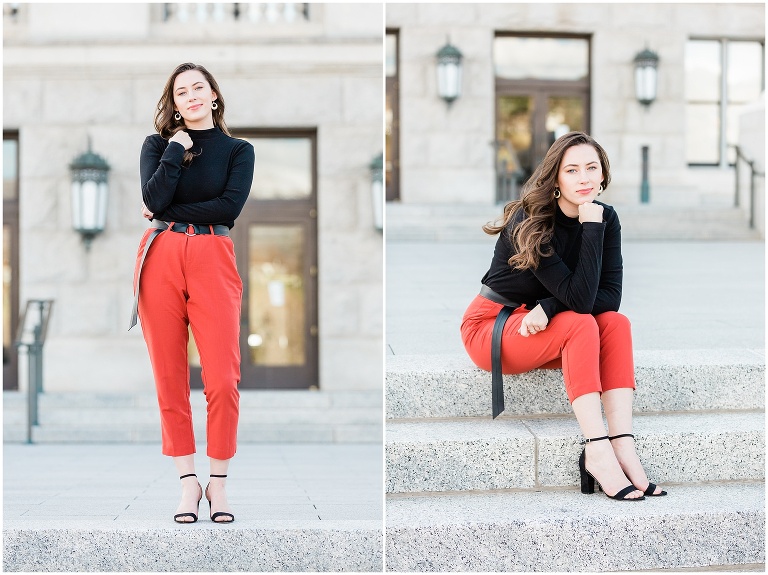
(721, 77)
(392, 165)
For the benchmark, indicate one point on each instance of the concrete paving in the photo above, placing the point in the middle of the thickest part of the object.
(678, 295)
(108, 489)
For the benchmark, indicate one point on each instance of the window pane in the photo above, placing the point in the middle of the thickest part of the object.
(276, 310)
(702, 71)
(283, 168)
(389, 140)
(564, 115)
(7, 283)
(515, 127)
(391, 55)
(518, 58)
(745, 76)
(703, 133)
(732, 129)
(10, 177)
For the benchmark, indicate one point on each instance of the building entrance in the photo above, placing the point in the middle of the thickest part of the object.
(542, 92)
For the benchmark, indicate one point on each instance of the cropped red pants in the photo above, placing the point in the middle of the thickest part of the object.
(595, 352)
(192, 281)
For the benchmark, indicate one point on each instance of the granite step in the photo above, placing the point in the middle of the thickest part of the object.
(265, 545)
(702, 526)
(535, 453)
(427, 386)
(463, 222)
(265, 417)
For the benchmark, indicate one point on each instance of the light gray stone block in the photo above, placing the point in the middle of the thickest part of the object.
(327, 546)
(678, 380)
(696, 526)
(536, 453)
(458, 455)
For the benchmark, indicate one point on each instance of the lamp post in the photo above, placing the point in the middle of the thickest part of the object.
(449, 73)
(646, 76)
(377, 191)
(89, 194)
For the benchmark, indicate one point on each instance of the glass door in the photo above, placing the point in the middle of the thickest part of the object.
(275, 240)
(10, 258)
(542, 92)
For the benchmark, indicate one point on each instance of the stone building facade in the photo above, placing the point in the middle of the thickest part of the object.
(579, 61)
(303, 82)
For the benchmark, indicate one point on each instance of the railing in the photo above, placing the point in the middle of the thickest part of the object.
(267, 12)
(33, 327)
(753, 174)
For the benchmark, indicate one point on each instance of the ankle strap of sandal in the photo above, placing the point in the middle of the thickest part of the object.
(217, 476)
(594, 439)
(622, 435)
(188, 475)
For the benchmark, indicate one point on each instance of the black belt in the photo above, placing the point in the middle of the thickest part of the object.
(497, 380)
(161, 226)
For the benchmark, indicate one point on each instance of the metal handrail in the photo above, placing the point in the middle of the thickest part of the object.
(753, 173)
(31, 334)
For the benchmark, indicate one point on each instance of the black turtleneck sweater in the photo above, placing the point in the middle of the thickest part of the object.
(584, 274)
(211, 190)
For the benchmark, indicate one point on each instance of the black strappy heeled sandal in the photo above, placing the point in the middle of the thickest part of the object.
(218, 514)
(588, 480)
(651, 486)
(192, 515)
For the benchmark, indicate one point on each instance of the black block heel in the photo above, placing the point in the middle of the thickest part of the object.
(192, 515)
(588, 480)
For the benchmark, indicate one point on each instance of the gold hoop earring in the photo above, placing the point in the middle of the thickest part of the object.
(214, 105)
(557, 193)
(177, 116)
(600, 190)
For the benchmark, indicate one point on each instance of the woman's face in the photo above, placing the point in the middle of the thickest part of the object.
(579, 178)
(192, 98)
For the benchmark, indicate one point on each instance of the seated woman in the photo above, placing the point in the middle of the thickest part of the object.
(551, 299)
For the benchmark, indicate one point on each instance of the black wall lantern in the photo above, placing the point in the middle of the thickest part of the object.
(89, 194)
(449, 73)
(646, 76)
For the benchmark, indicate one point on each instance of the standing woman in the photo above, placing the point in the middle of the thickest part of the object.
(557, 267)
(195, 179)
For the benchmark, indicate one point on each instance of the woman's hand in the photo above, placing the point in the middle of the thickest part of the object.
(145, 213)
(534, 322)
(182, 138)
(590, 212)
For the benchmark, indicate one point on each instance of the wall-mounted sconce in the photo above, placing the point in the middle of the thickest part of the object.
(449, 73)
(89, 194)
(646, 75)
(377, 191)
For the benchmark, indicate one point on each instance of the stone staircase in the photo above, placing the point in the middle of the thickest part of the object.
(468, 493)
(463, 222)
(290, 416)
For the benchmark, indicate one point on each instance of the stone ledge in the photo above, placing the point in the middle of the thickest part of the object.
(676, 380)
(513, 453)
(265, 546)
(694, 526)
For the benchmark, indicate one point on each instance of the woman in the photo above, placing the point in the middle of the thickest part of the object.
(195, 179)
(557, 268)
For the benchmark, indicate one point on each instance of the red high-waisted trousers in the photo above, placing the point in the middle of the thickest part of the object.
(595, 352)
(192, 280)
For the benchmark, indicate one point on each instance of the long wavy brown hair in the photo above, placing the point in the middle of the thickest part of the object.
(536, 207)
(166, 125)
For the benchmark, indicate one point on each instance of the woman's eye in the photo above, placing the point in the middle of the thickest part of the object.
(199, 88)
(182, 93)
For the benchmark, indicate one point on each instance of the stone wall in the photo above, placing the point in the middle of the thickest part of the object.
(70, 71)
(445, 153)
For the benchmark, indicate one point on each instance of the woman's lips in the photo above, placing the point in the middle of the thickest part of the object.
(584, 192)
(193, 108)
